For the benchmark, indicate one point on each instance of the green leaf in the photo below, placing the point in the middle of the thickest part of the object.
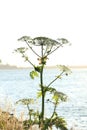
(60, 123)
(38, 68)
(33, 74)
(50, 89)
(39, 94)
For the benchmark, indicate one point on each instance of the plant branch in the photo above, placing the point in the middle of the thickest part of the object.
(33, 50)
(55, 106)
(29, 61)
(55, 79)
(48, 50)
(54, 50)
(28, 107)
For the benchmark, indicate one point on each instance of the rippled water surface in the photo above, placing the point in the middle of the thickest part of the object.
(16, 84)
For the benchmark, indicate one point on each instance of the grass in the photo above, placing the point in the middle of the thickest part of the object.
(9, 120)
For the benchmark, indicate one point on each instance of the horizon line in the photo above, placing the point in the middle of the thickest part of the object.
(8, 66)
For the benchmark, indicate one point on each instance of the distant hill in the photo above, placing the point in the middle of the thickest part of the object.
(78, 67)
(7, 66)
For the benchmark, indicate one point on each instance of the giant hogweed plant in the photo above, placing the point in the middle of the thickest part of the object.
(46, 46)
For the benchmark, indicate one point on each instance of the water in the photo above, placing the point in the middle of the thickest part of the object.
(16, 84)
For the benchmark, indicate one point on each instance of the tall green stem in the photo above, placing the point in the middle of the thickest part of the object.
(41, 82)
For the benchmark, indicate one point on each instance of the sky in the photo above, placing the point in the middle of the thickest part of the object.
(50, 18)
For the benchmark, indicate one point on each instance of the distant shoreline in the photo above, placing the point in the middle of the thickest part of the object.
(78, 67)
(7, 66)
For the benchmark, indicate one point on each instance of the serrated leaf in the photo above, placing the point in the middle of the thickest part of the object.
(33, 74)
(61, 123)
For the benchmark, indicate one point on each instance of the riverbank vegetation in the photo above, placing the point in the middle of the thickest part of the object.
(42, 47)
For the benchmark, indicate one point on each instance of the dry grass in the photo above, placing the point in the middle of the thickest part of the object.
(8, 119)
(9, 122)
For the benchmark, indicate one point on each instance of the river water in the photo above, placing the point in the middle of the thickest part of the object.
(16, 84)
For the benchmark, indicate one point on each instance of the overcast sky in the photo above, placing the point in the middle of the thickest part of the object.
(50, 18)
